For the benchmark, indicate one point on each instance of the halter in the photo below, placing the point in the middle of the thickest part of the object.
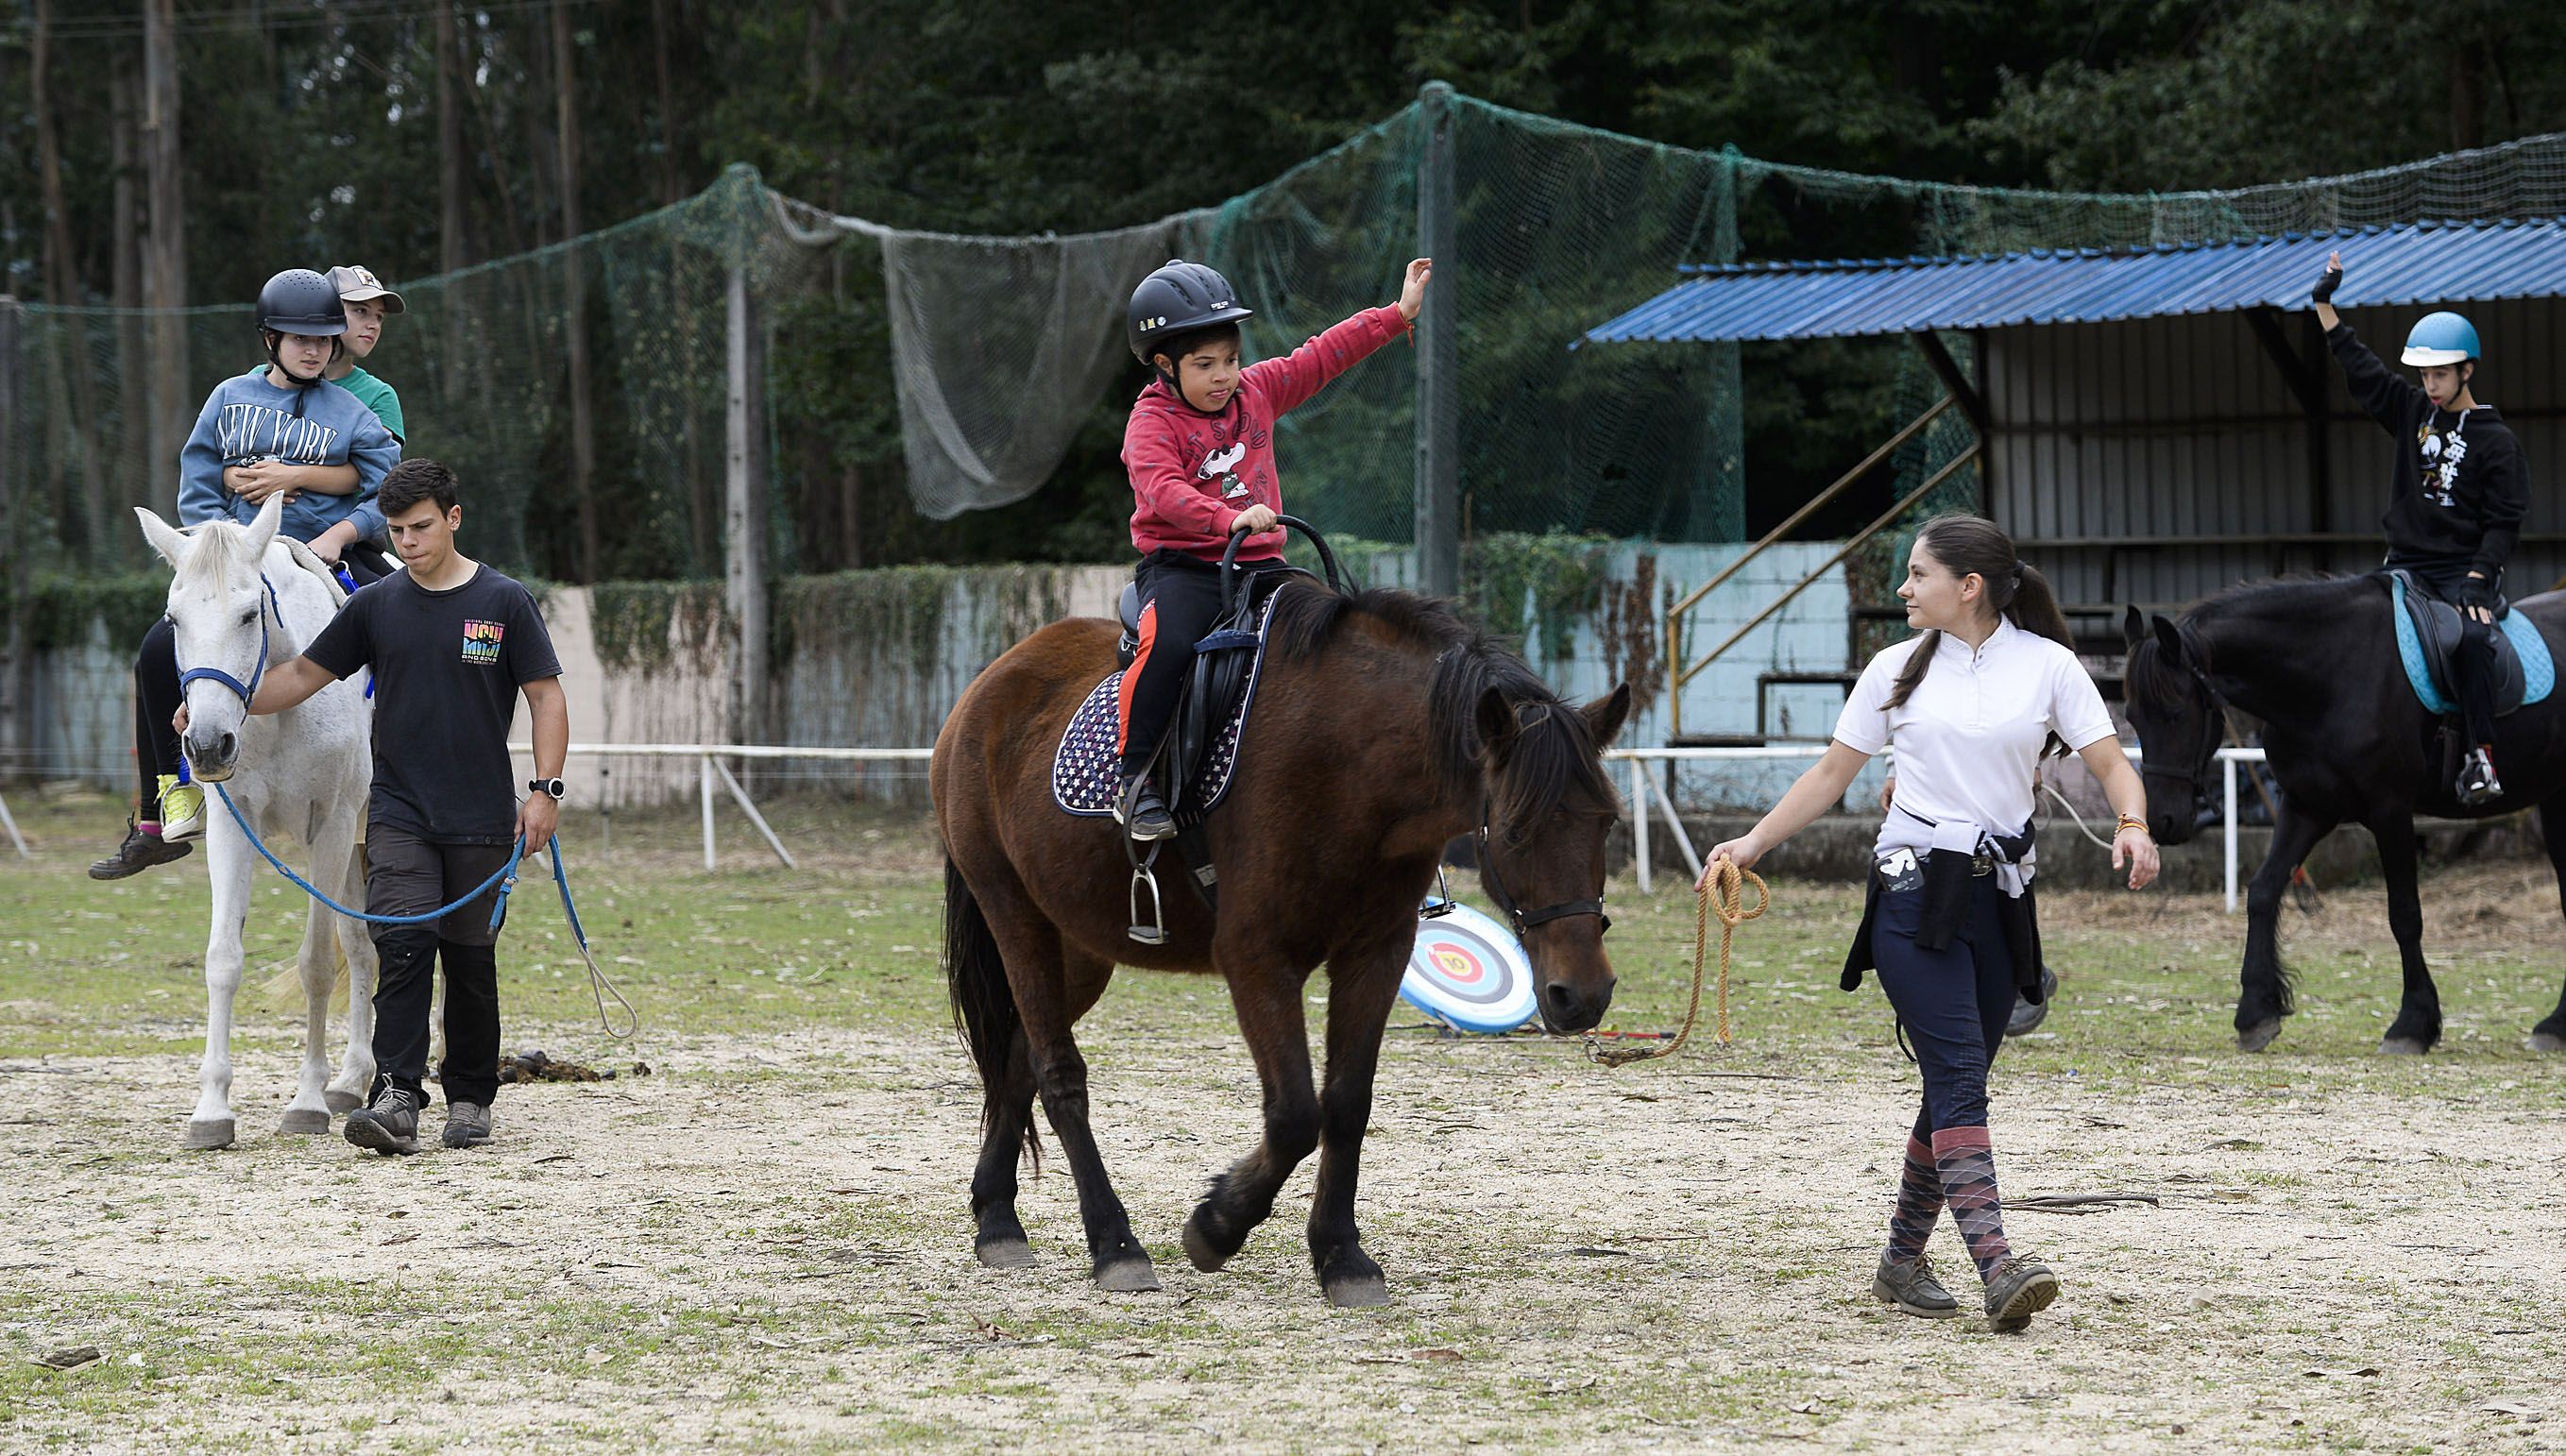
(2189, 777)
(1521, 918)
(258, 670)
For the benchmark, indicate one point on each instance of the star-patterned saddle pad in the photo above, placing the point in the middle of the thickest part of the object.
(1087, 771)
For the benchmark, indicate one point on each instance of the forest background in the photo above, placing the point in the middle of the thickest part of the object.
(421, 137)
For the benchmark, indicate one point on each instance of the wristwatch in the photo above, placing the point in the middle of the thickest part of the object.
(554, 786)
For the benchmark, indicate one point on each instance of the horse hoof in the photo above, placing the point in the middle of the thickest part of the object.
(1198, 1249)
(204, 1133)
(304, 1122)
(342, 1103)
(2544, 1042)
(2258, 1036)
(1131, 1277)
(1364, 1292)
(1006, 1253)
(2402, 1046)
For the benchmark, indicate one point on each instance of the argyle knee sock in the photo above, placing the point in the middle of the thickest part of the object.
(1919, 1202)
(1967, 1160)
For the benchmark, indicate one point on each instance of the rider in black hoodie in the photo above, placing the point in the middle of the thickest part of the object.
(2460, 493)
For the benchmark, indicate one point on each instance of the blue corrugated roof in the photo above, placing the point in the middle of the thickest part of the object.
(2418, 263)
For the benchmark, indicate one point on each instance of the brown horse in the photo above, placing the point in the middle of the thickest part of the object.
(1383, 729)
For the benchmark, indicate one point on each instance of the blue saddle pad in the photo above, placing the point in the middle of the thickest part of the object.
(1087, 771)
(2538, 667)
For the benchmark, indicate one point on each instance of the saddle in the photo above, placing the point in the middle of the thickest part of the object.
(1199, 753)
(2427, 639)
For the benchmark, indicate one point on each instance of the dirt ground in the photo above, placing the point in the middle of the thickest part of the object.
(764, 1242)
(771, 1248)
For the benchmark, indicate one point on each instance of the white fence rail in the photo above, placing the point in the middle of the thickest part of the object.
(1646, 789)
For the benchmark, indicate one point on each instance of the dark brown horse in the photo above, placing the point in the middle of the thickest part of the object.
(1382, 728)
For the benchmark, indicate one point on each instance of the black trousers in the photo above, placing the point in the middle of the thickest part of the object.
(2473, 664)
(408, 875)
(1180, 597)
(155, 702)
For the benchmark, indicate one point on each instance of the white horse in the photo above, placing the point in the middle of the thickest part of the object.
(242, 602)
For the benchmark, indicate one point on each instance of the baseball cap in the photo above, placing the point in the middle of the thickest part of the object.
(357, 284)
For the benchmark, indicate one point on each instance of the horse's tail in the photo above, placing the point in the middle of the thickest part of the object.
(984, 1006)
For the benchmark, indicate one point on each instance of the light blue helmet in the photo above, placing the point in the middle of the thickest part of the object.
(2440, 339)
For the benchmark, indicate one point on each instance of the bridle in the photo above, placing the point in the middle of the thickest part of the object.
(2190, 778)
(258, 668)
(1521, 918)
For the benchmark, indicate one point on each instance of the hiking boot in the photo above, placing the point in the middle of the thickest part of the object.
(2478, 784)
(467, 1125)
(1912, 1287)
(142, 848)
(2019, 1290)
(391, 1125)
(182, 809)
(1140, 810)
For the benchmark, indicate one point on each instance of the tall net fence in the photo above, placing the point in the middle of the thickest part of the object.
(964, 371)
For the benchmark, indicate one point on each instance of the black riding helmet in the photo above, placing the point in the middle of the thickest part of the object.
(300, 301)
(1179, 299)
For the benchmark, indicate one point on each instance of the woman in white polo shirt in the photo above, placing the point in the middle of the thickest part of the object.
(1972, 704)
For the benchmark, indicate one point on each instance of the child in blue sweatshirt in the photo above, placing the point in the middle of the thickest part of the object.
(253, 428)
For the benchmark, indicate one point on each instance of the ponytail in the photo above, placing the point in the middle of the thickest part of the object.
(1974, 545)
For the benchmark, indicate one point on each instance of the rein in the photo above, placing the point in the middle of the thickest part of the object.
(1725, 883)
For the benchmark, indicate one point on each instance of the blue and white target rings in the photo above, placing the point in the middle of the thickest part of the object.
(1469, 974)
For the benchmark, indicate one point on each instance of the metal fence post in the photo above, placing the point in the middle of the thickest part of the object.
(1438, 356)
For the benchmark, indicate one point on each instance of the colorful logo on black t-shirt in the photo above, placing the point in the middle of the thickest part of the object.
(481, 641)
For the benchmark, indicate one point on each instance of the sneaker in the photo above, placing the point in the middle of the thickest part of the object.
(2017, 1290)
(1140, 809)
(467, 1125)
(1912, 1287)
(391, 1125)
(182, 809)
(142, 848)
(2478, 784)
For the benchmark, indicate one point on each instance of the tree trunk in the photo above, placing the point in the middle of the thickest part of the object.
(669, 184)
(164, 279)
(62, 289)
(451, 252)
(126, 285)
(583, 429)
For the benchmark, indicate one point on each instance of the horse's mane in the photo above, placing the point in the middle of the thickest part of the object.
(1555, 751)
(202, 565)
(2150, 680)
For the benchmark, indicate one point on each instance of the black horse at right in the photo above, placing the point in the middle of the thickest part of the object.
(2349, 742)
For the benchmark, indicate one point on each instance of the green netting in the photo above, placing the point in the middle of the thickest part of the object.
(963, 372)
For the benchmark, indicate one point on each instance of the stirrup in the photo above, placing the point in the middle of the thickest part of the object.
(1153, 931)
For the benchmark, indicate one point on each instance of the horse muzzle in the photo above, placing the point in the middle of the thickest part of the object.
(1566, 1008)
(212, 757)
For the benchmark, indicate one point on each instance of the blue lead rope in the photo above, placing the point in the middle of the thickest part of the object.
(498, 911)
(599, 986)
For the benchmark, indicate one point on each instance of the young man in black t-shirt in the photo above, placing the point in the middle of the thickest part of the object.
(452, 644)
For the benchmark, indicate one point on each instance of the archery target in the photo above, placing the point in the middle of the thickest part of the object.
(1469, 974)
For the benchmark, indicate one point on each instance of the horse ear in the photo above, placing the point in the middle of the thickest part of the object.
(2133, 628)
(1605, 715)
(2168, 639)
(172, 544)
(1496, 722)
(263, 530)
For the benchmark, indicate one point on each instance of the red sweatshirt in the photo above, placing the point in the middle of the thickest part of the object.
(1195, 472)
